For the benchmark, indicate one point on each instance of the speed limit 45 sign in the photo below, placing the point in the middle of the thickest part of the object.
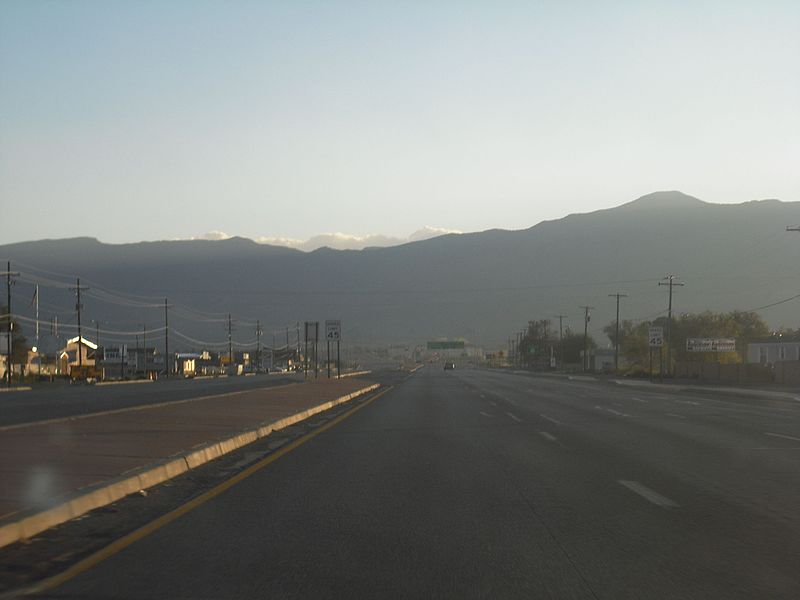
(656, 337)
(333, 330)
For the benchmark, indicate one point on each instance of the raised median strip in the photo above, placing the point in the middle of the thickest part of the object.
(28, 522)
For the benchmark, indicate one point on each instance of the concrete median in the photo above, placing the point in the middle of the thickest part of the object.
(186, 436)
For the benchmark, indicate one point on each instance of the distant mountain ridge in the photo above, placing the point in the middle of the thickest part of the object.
(482, 286)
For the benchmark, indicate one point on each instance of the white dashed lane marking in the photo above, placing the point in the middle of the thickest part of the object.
(551, 419)
(785, 437)
(548, 436)
(648, 494)
(515, 417)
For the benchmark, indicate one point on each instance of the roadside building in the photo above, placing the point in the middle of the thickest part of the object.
(187, 363)
(772, 350)
(77, 352)
(146, 361)
(114, 361)
(602, 360)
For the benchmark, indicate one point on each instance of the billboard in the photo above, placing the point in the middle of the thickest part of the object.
(710, 345)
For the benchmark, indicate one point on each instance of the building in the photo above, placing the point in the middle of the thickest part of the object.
(145, 361)
(77, 352)
(774, 350)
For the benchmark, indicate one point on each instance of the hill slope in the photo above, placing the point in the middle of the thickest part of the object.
(482, 286)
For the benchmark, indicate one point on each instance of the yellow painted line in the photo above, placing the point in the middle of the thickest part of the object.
(133, 537)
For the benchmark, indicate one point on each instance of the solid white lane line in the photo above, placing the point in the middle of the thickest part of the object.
(674, 415)
(785, 437)
(515, 417)
(548, 436)
(485, 414)
(648, 494)
(551, 419)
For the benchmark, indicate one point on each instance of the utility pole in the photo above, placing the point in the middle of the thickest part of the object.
(560, 339)
(144, 349)
(287, 347)
(616, 335)
(258, 345)
(78, 307)
(670, 281)
(36, 296)
(230, 342)
(9, 282)
(166, 338)
(586, 319)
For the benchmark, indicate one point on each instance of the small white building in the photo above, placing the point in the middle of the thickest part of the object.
(773, 350)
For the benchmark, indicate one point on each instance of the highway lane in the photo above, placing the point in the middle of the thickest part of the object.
(483, 484)
(60, 400)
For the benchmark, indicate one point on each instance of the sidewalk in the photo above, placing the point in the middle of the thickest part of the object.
(47, 466)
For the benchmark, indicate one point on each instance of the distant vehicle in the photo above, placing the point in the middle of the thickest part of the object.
(449, 365)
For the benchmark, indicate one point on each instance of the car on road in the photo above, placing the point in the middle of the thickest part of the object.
(449, 366)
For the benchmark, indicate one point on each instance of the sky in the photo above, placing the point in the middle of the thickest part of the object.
(131, 121)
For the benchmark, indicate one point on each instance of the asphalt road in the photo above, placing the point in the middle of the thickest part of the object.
(60, 400)
(475, 484)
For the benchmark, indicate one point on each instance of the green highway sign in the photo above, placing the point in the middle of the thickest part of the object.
(458, 345)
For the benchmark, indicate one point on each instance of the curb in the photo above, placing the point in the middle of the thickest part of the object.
(29, 523)
(353, 374)
(131, 382)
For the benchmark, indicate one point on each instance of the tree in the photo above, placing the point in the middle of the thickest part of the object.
(573, 346)
(740, 325)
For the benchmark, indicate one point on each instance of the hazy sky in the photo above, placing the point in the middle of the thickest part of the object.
(152, 120)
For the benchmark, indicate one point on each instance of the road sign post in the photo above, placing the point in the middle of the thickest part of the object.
(655, 336)
(333, 333)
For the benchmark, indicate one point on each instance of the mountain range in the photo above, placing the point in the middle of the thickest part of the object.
(481, 286)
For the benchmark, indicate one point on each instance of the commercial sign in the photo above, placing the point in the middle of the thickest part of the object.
(710, 345)
(333, 330)
(656, 337)
(457, 345)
